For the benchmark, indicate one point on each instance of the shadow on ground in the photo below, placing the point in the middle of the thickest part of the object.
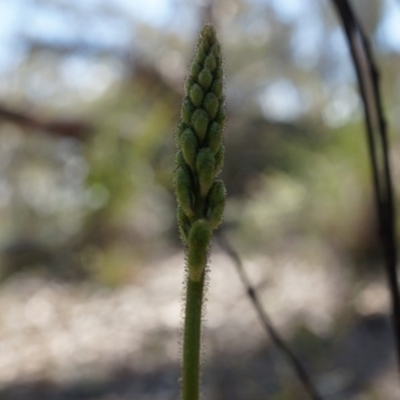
(343, 368)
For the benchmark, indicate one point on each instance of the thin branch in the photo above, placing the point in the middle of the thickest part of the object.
(266, 322)
(70, 128)
(376, 129)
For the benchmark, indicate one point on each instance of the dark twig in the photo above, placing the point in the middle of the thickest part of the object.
(265, 320)
(368, 81)
(69, 128)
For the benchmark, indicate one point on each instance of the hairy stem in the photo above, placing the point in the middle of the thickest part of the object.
(192, 337)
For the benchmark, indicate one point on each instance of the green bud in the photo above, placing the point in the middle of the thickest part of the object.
(180, 160)
(205, 166)
(200, 122)
(216, 204)
(189, 147)
(198, 243)
(201, 54)
(208, 34)
(211, 105)
(221, 116)
(219, 159)
(186, 111)
(188, 84)
(219, 72)
(214, 137)
(210, 63)
(196, 95)
(183, 224)
(205, 78)
(216, 51)
(217, 87)
(183, 185)
(195, 70)
(204, 43)
(179, 131)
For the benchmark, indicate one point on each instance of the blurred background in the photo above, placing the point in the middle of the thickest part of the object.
(91, 268)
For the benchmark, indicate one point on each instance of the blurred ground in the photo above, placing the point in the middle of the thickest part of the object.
(91, 268)
(63, 341)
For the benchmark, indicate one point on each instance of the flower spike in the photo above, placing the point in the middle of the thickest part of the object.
(200, 195)
(199, 139)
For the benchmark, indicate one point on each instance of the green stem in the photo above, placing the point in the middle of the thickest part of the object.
(191, 340)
